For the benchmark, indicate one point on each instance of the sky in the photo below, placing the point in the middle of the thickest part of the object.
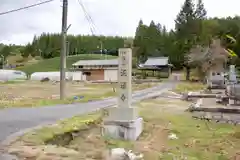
(111, 17)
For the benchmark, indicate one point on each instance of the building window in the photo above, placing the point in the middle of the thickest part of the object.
(112, 66)
(87, 73)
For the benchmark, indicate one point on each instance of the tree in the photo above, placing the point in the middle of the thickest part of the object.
(204, 57)
(28, 50)
(152, 39)
(184, 22)
(140, 41)
(200, 12)
(200, 15)
(6, 51)
(185, 28)
(192, 28)
(48, 45)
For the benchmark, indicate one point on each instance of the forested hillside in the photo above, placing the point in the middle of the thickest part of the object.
(192, 26)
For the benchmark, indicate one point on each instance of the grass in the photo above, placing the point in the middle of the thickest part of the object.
(39, 137)
(33, 102)
(197, 140)
(17, 81)
(53, 64)
(189, 86)
(49, 102)
(201, 140)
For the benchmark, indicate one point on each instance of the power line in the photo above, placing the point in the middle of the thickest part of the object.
(88, 17)
(92, 28)
(90, 21)
(26, 7)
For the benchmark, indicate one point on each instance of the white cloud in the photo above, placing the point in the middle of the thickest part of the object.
(111, 17)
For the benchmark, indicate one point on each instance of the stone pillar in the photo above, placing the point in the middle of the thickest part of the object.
(123, 121)
(231, 101)
(232, 75)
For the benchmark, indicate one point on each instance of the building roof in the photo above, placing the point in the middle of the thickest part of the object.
(152, 61)
(96, 62)
(156, 61)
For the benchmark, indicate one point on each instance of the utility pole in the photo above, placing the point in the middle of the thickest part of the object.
(2, 59)
(63, 51)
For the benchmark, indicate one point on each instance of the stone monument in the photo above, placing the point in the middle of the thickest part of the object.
(233, 88)
(123, 121)
(232, 75)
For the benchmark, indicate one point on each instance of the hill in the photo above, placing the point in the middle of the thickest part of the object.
(53, 64)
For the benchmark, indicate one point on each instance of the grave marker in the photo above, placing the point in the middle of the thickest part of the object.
(232, 74)
(125, 78)
(123, 121)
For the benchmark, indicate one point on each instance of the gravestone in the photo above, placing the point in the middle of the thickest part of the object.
(123, 121)
(233, 89)
(232, 75)
(216, 79)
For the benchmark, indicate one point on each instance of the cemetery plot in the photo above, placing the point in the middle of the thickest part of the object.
(218, 105)
(169, 133)
(208, 109)
(32, 93)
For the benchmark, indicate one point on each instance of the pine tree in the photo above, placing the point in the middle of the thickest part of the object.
(138, 30)
(200, 11)
(185, 28)
(185, 18)
(139, 42)
(201, 15)
(152, 39)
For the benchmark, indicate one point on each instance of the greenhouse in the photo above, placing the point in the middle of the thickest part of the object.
(53, 76)
(8, 75)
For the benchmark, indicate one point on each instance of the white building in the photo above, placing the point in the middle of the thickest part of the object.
(95, 70)
(8, 75)
(53, 76)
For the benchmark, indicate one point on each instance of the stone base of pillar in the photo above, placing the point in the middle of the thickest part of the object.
(123, 123)
(127, 130)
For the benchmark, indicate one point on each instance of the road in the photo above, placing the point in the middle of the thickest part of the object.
(13, 120)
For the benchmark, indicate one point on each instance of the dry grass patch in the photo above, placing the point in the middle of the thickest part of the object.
(32, 93)
(189, 86)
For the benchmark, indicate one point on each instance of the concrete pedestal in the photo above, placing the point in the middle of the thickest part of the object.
(128, 130)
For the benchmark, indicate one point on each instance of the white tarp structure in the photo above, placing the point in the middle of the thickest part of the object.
(53, 76)
(8, 75)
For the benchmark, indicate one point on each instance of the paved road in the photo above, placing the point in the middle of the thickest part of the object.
(13, 120)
